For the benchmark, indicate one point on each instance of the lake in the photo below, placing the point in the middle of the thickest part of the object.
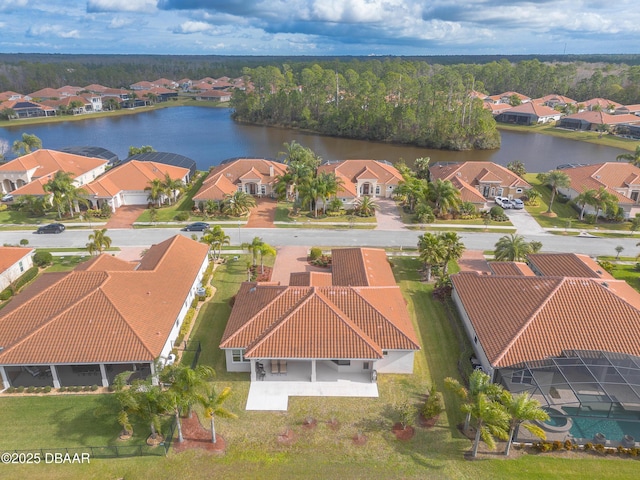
(209, 136)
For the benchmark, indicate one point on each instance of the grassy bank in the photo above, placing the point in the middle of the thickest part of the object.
(581, 136)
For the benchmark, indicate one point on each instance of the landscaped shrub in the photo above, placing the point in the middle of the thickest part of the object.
(590, 218)
(31, 389)
(42, 259)
(424, 214)
(46, 389)
(5, 294)
(182, 216)
(588, 446)
(434, 404)
(315, 253)
(20, 389)
(27, 277)
(62, 389)
(194, 303)
(10, 390)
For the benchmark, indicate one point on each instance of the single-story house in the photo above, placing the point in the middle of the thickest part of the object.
(593, 120)
(14, 261)
(214, 95)
(107, 316)
(374, 178)
(26, 175)
(628, 109)
(506, 98)
(255, 176)
(23, 108)
(125, 184)
(529, 113)
(487, 179)
(568, 341)
(554, 101)
(621, 179)
(354, 323)
(599, 104)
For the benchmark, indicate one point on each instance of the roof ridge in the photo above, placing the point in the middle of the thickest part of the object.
(357, 292)
(531, 319)
(246, 324)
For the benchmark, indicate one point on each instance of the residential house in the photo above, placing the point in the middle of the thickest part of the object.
(553, 101)
(562, 337)
(255, 176)
(26, 175)
(105, 317)
(23, 108)
(165, 83)
(595, 120)
(142, 85)
(14, 261)
(628, 110)
(478, 181)
(374, 178)
(600, 104)
(9, 95)
(620, 179)
(529, 113)
(342, 325)
(95, 88)
(214, 95)
(45, 94)
(125, 184)
(82, 103)
(506, 97)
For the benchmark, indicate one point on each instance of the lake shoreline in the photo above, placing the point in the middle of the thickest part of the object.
(579, 136)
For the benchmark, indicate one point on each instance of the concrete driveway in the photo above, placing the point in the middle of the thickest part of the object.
(525, 224)
(387, 215)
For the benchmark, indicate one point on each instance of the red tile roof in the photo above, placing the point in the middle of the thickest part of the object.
(611, 175)
(567, 265)
(330, 322)
(9, 256)
(475, 172)
(352, 170)
(511, 268)
(104, 312)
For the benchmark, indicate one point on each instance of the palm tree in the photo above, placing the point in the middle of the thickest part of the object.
(633, 158)
(444, 195)
(328, 185)
(479, 382)
(365, 206)
(523, 410)
(98, 241)
(587, 197)
(309, 192)
(412, 191)
(60, 187)
(492, 420)
(265, 250)
(215, 238)
(512, 248)
(237, 204)
(27, 144)
(212, 404)
(554, 179)
(605, 201)
(453, 248)
(432, 252)
(254, 248)
(172, 187)
(34, 206)
(156, 191)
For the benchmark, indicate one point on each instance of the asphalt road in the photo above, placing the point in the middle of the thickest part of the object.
(324, 238)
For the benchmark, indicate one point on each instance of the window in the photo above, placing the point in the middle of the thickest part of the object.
(366, 365)
(263, 189)
(518, 190)
(385, 352)
(378, 190)
(21, 266)
(237, 356)
(345, 363)
(634, 195)
(475, 339)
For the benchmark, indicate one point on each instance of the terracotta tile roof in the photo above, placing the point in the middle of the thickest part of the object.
(133, 175)
(318, 322)
(473, 172)
(47, 162)
(604, 103)
(46, 93)
(468, 193)
(106, 262)
(567, 264)
(511, 268)
(558, 99)
(536, 109)
(551, 314)
(308, 279)
(598, 118)
(354, 169)
(9, 256)
(365, 267)
(102, 315)
(612, 175)
(223, 179)
(336, 321)
(95, 87)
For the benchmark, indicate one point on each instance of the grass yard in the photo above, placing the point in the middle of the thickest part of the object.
(628, 273)
(252, 447)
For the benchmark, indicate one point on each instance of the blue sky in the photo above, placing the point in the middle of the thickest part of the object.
(320, 27)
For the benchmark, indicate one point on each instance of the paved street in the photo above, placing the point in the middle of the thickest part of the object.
(328, 238)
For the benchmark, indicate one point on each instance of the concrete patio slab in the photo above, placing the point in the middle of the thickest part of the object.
(273, 395)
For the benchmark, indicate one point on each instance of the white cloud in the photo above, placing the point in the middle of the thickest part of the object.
(121, 6)
(120, 22)
(12, 4)
(192, 27)
(52, 30)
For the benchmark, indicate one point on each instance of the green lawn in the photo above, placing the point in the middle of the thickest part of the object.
(628, 273)
(252, 448)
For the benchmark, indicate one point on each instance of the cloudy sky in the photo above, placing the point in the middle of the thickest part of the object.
(320, 27)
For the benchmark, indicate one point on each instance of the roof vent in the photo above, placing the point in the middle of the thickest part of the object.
(605, 284)
(599, 272)
(252, 289)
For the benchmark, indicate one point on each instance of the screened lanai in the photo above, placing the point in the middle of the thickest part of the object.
(581, 383)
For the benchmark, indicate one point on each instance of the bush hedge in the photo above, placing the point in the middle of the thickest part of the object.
(42, 259)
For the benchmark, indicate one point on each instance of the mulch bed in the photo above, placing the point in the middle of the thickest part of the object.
(403, 433)
(359, 439)
(333, 424)
(196, 436)
(309, 423)
(261, 276)
(427, 422)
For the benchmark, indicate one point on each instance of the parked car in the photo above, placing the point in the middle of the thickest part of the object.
(196, 227)
(51, 228)
(503, 202)
(7, 198)
(517, 204)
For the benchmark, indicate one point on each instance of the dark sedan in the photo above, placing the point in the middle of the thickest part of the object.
(51, 228)
(196, 227)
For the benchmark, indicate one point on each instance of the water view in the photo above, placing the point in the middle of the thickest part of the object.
(209, 136)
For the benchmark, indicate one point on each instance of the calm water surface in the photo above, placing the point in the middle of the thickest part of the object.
(209, 136)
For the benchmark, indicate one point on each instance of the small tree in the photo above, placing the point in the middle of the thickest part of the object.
(407, 414)
(434, 404)
(619, 250)
(212, 404)
(42, 259)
